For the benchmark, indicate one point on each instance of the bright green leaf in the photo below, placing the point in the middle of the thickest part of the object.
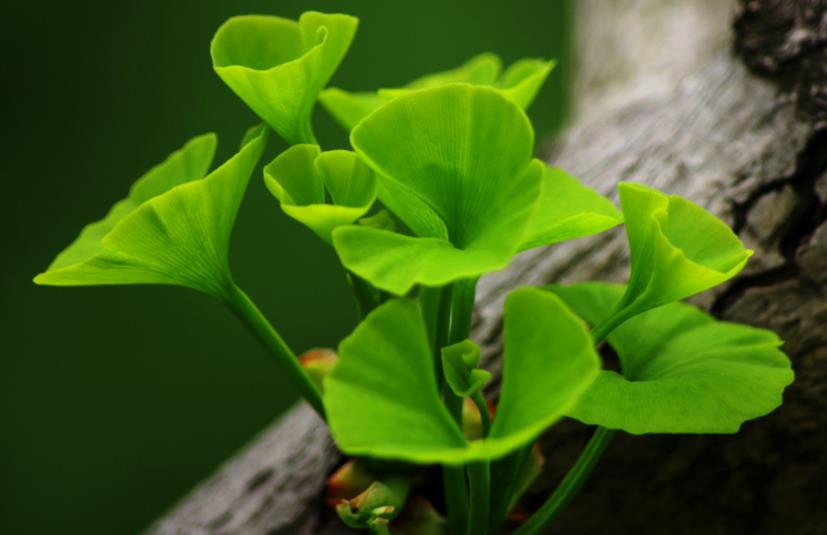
(302, 176)
(482, 69)
(278, 66)
(382, 398)
(382, 219)
(568, 210)
(682, 370)
(171, 229)
(348, 108)
(520, 82)
(523, 79)
(548, 362)
(454, 164)
(459, 364)
(677, 248)
(395, 262)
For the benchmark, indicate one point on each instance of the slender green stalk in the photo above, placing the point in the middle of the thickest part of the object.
(441, 334)
(306, 134)
(510, 469)
(604, 328)
(573, 481)
(456, 497)
(367, 296)
(485, 417)
(463, 305)
(479, 479)
(429, 301)
(251, 316)
(436, 306)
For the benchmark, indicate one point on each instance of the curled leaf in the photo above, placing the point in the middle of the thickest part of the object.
(683, 371)
(677, 248)
(279, 66)
(303, 177)
(459, 364)
(172, 228)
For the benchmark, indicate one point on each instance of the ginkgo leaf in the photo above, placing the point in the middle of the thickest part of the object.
(348, 108)
(459, 364)
(303, 176)
(548, 362)
(395, 262)
(568, 210)
(482, 69)
(382, 398)
(279, 66)
(523, 79)
(677, 248)
(520, 82)
(683, 371)
(171, 229)
(454, 164)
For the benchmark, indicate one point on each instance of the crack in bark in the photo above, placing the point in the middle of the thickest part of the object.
(808, 215)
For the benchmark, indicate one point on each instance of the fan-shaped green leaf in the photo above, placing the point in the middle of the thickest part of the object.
(382, 398)
(302, 176)
(568, 210)
(678, 249)
(523, 79)
(548, 362)
(482, 69)
(278, 66)
(172, 229)
(454, 164)
(348, 108)
(520, 82)
(682, 370)
(395, 262)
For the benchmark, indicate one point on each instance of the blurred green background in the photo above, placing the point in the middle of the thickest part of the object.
(114, 402)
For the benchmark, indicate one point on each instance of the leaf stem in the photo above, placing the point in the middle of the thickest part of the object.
(436, 303)
(461, 304)
(442, 332)
(305, 134)
(456, 497)
(462, 298)
(485, 417)
(573, 481)
(251, 316)
(510, 468)
(479, 479)
(613, 321)
(367, 296)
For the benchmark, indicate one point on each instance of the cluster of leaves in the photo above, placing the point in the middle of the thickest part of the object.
(440, 189)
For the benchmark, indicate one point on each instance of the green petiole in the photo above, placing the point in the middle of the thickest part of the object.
(252, 317)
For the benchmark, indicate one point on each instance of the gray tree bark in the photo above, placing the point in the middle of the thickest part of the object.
(724, 103)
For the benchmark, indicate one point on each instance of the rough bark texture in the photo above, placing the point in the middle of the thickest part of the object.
(731, 116)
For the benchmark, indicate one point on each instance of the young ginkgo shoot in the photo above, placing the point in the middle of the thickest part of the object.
(439, 189)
